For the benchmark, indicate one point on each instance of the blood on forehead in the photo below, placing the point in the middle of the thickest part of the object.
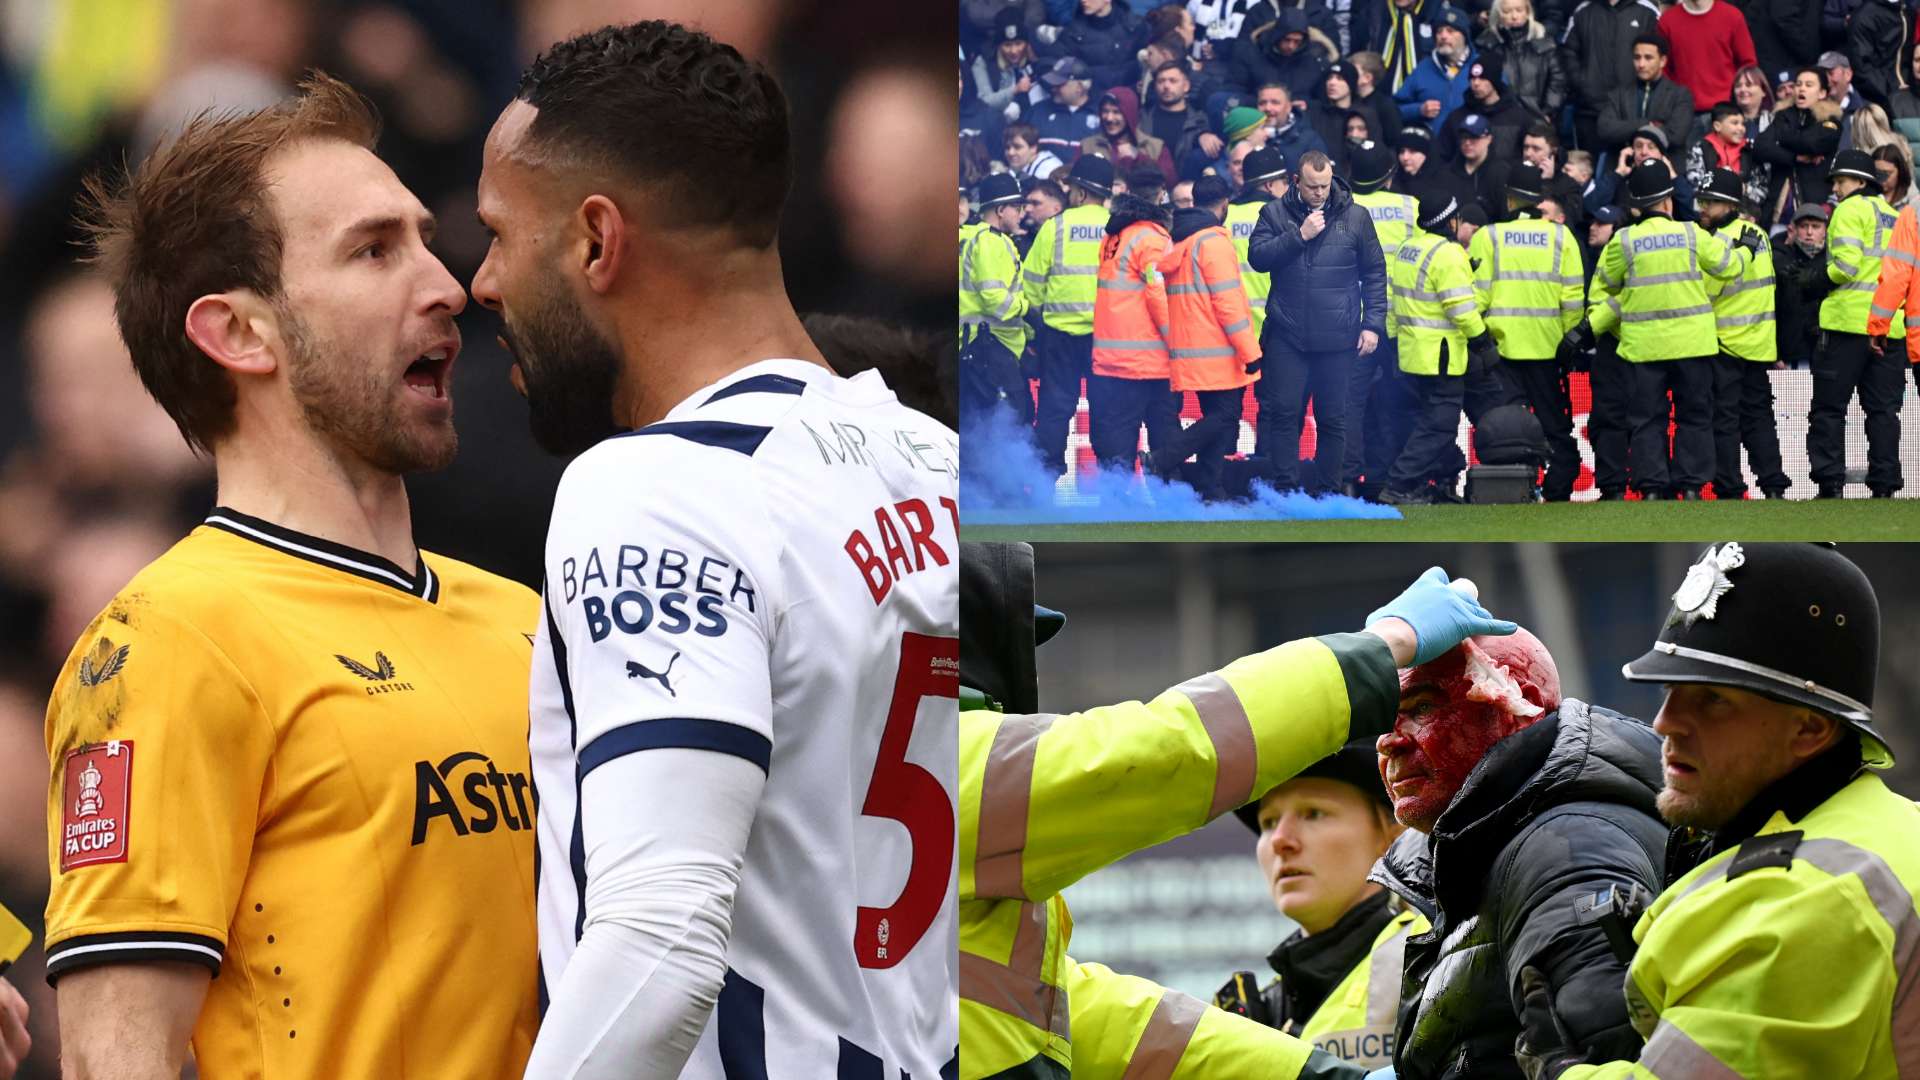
(1498, 671)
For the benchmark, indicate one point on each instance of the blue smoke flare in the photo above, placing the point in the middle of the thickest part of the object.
(1002, 483)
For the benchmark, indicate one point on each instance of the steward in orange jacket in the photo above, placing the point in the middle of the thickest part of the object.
(1130, 362)
(1899, 288)
(1211, 340)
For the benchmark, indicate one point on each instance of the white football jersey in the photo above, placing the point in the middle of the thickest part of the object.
(771, 572)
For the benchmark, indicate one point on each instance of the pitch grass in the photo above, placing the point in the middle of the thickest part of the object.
(1860, 519)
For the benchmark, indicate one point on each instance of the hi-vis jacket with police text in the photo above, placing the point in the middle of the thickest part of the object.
(1899, 284)
(1657, 268)
(1743, 306)
(1047, 799)
(1431, 289)
(1529, 284)
(990, 292)
(1241, 218)
(1062, 265)
(1393, 216)
(1212, 339)
(1355, 1022)
(1856, 244)
(1793, 954)
(1130, 309)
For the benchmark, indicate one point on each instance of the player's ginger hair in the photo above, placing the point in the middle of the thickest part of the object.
(194, 220)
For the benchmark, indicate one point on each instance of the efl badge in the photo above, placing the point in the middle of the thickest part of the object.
(1699, 595)
(98, 793)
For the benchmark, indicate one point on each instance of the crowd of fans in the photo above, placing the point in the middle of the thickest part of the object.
(1463, 96)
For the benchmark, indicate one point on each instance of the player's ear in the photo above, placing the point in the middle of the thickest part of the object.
(236, 330)
(607, 242)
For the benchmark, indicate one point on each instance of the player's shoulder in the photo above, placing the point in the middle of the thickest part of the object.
(193, 582)
(179, 611)
(705, 446)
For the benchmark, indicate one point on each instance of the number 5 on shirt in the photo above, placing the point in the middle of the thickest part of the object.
(907, 793)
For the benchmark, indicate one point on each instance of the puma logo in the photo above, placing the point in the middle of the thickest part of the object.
(636, 670)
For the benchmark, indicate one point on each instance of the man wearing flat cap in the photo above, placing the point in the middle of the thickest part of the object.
(1785, 941)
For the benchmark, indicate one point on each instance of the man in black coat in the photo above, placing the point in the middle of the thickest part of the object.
(1598, 57)
(1104, 34)
(1650, 99)
(1522, 809)
(1487, 97)
(1800, 283)
(1327, 308)
(1875, 36)
(1786, 33)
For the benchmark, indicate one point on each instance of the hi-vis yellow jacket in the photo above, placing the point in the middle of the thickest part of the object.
(1355, 1023)
(1793, 954)
(1047, 799)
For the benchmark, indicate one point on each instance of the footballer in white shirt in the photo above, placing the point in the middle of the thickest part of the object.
(744, 701)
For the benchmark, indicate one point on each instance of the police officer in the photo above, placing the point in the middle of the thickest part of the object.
(1654, 269)
(1609, 377)
(1432, 291)
(1529, 286)
(1265, 174)
(1318, 835)
(1856, 239)
(1379, 402)
(992, 303)
(1783, 943)
(1743, 318)
(1047, 798)
(1060, 277)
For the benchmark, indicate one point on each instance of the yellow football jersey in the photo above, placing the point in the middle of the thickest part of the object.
(306, 768)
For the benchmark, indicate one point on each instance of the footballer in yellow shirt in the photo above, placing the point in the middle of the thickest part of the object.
(305, 768)
(290, 813)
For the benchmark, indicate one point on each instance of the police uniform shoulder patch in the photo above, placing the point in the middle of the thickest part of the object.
(1769, 849)
(1699, 595)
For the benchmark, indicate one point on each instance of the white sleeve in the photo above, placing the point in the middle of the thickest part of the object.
(662, 584)
(649, 966)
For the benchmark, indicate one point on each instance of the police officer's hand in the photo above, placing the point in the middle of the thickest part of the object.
(1578, 340)
(1441, 614)
(14, 1040)
(1544, 1049)
(1749, 239)
(1878, 343)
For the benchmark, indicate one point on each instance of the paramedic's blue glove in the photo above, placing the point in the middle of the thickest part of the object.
(1442, 614)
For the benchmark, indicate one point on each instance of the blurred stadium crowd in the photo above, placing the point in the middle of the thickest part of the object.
(94, 479)
(1546, 105)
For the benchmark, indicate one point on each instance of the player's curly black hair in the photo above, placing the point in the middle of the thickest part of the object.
(673, 108)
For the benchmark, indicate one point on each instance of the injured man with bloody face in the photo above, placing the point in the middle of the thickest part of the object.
(1531, 822)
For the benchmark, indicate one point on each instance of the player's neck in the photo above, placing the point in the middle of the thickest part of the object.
(734, 316)
(298, 484)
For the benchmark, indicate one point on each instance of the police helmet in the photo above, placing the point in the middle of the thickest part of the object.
(1356, 763)
(1798, 623)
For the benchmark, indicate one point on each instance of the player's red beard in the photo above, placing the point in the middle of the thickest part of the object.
(358, 407)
